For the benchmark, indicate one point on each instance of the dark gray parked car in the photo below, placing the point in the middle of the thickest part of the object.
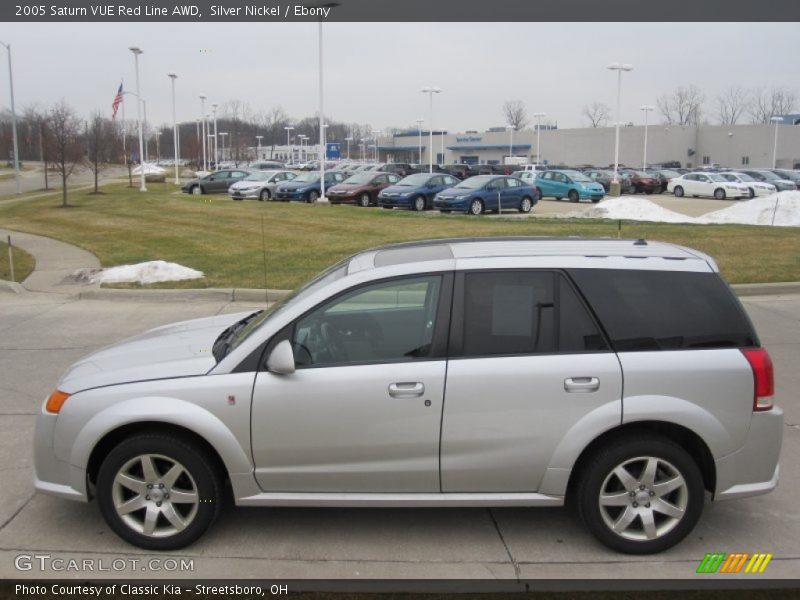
(217, 182)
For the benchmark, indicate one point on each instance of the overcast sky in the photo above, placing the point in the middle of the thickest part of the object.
(374, 71)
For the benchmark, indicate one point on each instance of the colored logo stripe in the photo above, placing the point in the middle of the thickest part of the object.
(720, 562)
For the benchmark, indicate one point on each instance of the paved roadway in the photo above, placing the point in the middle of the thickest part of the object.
(41, 334)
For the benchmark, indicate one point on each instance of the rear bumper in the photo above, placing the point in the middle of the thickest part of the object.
(753, 469)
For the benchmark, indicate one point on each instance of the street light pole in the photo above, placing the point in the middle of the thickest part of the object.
(646, 109)
(136, 52)
(14, 122)
(173, 77)
(619, 68)
(431, 91)
(419, 131)
(258, 147)
(510, 141)
(203, 117)
(289, 142)
(775, 120)
(375, 137)
(348, 140)
(222, 134)
(216, 157)
(538, 116)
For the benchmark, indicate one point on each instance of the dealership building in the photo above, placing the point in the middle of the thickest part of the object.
(724, 145)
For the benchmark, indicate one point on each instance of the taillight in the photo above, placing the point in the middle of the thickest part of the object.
(763, 377)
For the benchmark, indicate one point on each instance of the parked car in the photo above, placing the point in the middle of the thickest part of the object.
(415, 191)
(361, 188)
(711, 185)
(402, 169)
(573, 185)
(214, 183)
(664, 177)
(461, 171)
(601, 176)
(260, 185)
(307, 186)
(788, 175)
(485, 193)
(426, 168)
(266, 165)
(643, 182)
(476, 372)
(766, 176)
(754, 187)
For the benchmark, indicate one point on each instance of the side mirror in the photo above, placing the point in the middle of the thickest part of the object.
(281, 359)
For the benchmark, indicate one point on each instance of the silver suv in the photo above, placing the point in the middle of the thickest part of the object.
(621, 376)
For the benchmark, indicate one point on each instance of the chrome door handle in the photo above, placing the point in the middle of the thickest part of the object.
(581, 384)
(406, 390)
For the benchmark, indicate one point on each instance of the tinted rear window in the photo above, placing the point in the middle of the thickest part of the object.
(664, 310)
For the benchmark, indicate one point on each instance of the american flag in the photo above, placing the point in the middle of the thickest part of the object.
(117, 101)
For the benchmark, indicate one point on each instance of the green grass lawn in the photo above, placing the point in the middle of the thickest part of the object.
(222, 238)
(23, 262)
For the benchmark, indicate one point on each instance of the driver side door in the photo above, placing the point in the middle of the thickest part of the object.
(362, 411)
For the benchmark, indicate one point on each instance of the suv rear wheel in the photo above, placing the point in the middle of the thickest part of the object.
(158, 492)
(640, 494)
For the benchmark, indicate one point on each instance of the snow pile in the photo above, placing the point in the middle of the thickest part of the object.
(149, 169)
(146, 272)
(782, 210)
(631, 209)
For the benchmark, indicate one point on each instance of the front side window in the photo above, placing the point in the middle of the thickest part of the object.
(389, 321)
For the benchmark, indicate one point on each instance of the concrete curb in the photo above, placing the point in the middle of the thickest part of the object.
(187, 295)
(10, 287)
(766, 289)
(258, 296)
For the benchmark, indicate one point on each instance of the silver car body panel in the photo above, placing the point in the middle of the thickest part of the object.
(522, 449)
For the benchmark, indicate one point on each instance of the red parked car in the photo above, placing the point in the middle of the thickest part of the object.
(643, 182)
(361, 188)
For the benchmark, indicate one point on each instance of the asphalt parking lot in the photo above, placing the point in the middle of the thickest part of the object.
(41, 334)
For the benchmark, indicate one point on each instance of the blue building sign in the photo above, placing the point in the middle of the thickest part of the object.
(333, 150)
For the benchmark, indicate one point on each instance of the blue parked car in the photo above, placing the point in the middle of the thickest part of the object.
(568, 184)
(480, 193)
(415, 191)
(306, 186)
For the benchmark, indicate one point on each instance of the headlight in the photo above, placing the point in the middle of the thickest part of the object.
(459, 197)
(301, 190)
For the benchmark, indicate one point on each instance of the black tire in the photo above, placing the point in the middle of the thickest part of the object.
(444, 211)
(264, 195)
(559, 197)
(364, 200)
(418, 204)
(539, 191)
(597, 474)
(525, 205)
(475, 207)
(312, 196)
(573, 196)
(204, 478)
(197, 190)
(648, 192)
(595, 200)
(387, 207)
(719, 194)
(751, 193)
(677, 191)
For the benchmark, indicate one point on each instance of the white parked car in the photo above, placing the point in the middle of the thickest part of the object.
(712, 185)
(755, 187)
(259, 185)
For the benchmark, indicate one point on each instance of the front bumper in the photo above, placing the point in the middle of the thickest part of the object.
(753, 469)
(290, 195)
(395, 201)
(52, 475)
(248, 195)
(341, 198)
(450, 204)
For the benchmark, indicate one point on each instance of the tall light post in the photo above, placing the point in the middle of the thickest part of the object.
(775, 120)
(374, 134)
(216, 157)
(538, 116)
(289, 129)
(173, 77)
(419, 132)
(14, 122)
(348, 140)
(431, 91)
(510, 141)
(646, 109)
(322, 197)
(222, 134)
(258, 147)
(203, 118)
(303, 137)
(619, 68)
(136, 52)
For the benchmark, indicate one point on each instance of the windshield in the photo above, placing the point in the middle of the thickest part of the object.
(237, 333)
(416, 179)
(474, 183)
(768, 175)
(715, 177)
(259, 176)
(667, 173)
(360, 178)
(306, 177)
(577, 176)
(740, 177)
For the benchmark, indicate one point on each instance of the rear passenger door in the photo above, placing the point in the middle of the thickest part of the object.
(528, 366)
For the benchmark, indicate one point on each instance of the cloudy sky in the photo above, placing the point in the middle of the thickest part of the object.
(374, 71)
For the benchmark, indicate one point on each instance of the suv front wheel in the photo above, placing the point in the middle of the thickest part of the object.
(640, 495)
(158, 492)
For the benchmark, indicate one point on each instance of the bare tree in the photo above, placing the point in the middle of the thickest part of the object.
(515, 113)
(100, 134)
(65, 142)
(732, 104)
(274, 122)
(598, 113)
(769, 103)
(683, 107)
